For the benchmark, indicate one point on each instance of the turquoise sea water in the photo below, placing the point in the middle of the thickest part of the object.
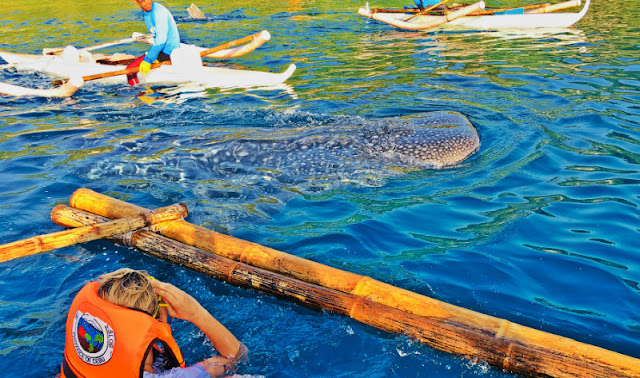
(540, 226)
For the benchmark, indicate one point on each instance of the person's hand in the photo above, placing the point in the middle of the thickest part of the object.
(216, 366)
(181, 305)
(144, 67)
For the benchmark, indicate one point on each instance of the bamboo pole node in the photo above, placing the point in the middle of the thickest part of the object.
(357, 302)
(506, 362)
(504, 325)
(39, 245)
(362, 289)
(234, 266)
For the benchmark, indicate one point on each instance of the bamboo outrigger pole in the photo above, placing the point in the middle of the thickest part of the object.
(506, 345)
(426, 10)
(550, 8)
(43, 243)
(65, 90)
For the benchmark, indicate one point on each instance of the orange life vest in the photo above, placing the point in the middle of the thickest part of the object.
(106, 340)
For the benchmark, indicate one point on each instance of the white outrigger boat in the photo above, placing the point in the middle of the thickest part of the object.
(477, 17)
(73, 63)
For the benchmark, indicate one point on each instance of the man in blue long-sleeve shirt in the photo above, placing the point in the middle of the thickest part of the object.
(165, 34)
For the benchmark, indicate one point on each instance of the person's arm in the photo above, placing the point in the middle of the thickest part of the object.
(193, 371)
(161, 21)
(183, 306)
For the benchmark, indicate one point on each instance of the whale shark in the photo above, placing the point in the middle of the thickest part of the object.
(312, 157)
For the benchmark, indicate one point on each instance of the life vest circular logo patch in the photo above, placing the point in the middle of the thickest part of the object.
(93, 339)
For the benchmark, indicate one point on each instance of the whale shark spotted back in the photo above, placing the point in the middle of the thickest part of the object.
(434, 140)
(300, 153)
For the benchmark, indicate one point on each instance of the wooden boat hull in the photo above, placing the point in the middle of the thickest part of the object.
(208, 76)
(487, 22)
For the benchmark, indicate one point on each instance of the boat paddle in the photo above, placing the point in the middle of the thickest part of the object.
(131, 70)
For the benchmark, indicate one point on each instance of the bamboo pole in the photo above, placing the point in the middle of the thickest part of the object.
(65, 90)
(547, 8)
(426, 10)
(491, 11)
(549, 355)
(270, 259)
(47, 242)
(289, 265)
(257, 40)
(447, 17)
(134, 37)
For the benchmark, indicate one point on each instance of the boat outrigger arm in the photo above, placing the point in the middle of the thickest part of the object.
(234, 52)
(65, 90)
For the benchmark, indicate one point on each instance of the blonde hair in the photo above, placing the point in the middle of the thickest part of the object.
(129, 288)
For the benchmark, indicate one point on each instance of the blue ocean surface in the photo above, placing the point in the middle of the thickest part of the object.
(540, 226)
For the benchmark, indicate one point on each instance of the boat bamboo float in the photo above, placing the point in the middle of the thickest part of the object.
(550, 8)
(499, 342)
(47, 242)
(65, 90)
(235, 51)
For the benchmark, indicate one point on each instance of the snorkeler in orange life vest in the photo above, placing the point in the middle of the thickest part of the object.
(117, 327)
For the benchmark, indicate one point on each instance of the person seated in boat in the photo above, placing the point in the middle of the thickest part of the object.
(164, 31)
(427, 4)
(117, 326)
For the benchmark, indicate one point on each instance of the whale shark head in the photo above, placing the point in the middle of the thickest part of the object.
(437, 140)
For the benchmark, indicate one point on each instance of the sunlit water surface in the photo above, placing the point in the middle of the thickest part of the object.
(540, 226)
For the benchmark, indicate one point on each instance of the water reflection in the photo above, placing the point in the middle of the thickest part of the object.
(163, 96)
